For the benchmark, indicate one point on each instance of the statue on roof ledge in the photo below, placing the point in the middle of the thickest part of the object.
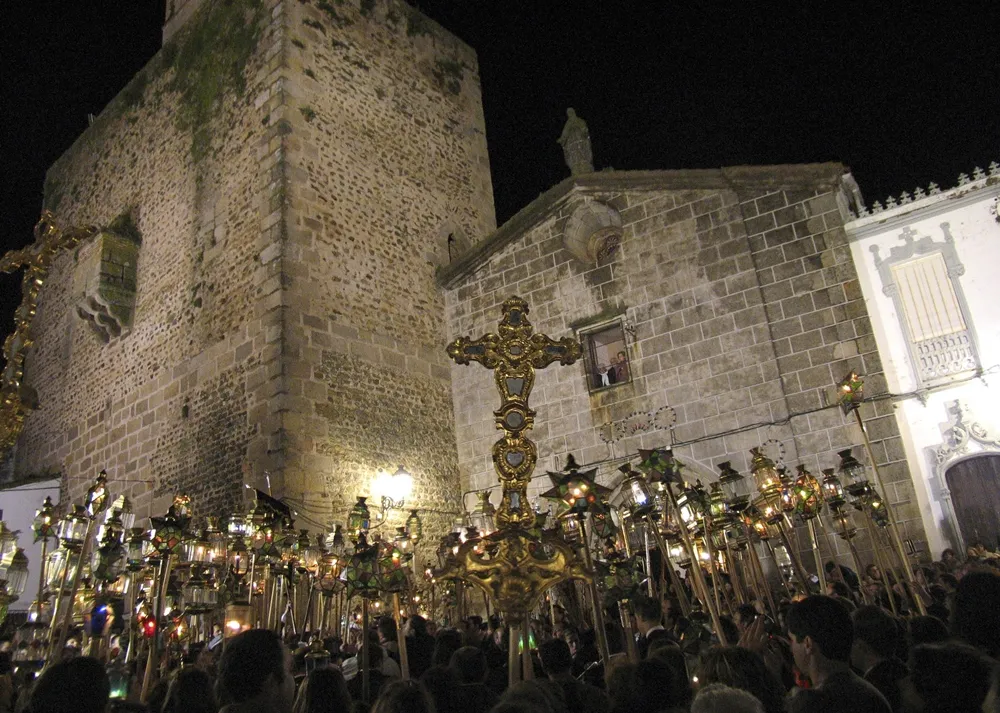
(575, 142)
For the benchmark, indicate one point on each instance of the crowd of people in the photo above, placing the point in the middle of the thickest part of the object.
(860, 648)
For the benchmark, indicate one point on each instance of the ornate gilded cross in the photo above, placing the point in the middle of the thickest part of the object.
(513, 354)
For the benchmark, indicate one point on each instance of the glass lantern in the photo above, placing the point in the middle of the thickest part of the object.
(97, 495)
(335, 541)
(121, 509)
(109, 559)
(833, 491)
(362, 572)
(16, 565)
(44, 524)
(359, 519)
(238, 558)
(636, 495)
(852, 470)
(845, 525)
(807, 490)
(570, 527)
(765, 475)
(238, 618)
(414, 527)
(718, 507)
(789, 495)
(483, 514)
(72, 529)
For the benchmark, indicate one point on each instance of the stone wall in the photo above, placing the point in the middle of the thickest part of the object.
(287, 318)
(175, 404)
(380, 171)
(745, 312)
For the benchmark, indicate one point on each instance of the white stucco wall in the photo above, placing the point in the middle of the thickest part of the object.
(19, 506)
(970, 212)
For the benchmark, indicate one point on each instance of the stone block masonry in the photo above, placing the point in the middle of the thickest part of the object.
(294, 176)
(736, 288)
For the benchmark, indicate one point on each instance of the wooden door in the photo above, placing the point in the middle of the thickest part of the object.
(975, 495)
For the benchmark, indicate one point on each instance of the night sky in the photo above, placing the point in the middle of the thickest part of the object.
(904, 94)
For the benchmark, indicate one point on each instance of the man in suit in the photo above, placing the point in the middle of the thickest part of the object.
(649, 622)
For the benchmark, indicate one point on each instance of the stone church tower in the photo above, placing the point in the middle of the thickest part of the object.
(296, 171)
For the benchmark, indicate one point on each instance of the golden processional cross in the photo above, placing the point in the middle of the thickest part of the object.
(513, 354)
(513, 565)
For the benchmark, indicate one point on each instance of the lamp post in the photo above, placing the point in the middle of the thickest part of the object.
(851, 397)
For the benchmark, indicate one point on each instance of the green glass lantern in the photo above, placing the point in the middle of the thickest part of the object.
(362, 574)
(359, 519)
(807, 491)
(577, 490)
(44, 524)
(168, 532)
(393, 571)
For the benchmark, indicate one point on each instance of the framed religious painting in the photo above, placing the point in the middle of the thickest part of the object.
(605, 355)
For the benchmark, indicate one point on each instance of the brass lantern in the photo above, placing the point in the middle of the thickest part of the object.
(765, 476)
(110, 558)
(72, 529)
(789, 495)
(718, 507)
(15, 571)
(483, 514)
(8, 540)
(569, 526)
(807, 492)
(845, 526)
(414, 527)
(833, 491)
(731, 481)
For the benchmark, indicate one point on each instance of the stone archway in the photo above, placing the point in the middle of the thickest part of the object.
(967, 440)
(974, 484)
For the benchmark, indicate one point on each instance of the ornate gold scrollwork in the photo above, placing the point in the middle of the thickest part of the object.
(35, 259)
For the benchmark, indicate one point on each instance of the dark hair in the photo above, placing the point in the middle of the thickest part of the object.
(469, 664)
(387, 628)
(404, 697)
(840, 589)
(555, 656)
(975, 616)
(326, 692)
(191, 691)
(248, 660)
(647, 608)
(927, 630)
(672, 655)
(950, 677)
(741, 668)
(79, 685)
(827, 622)
(874, 626)
(645, 687)
(745, 614)
(440, 682)
(447, 642)
(418, 625)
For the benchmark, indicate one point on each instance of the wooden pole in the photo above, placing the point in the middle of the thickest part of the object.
(595, 597)
(817, 554)
(365, 653)
(893, 530)
(626, 617)
(404, 661)
(160, 587)
(675, 581)
(529, 669)
(513, 656)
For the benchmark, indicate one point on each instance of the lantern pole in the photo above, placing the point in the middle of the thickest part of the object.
(404, 661)
(595, 597)
(649, 558)
(876, 546)
(675, 581)
(817, 554)
(851, 397)
(365, 652)
(696, 568)
(160, 588)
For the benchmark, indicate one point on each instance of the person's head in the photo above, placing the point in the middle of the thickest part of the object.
(446, 642)
(975, 616)
(404, 697)
(531, 697)
(874, 572)
(671, 654)
(326, 692)
(386, 629)
(440, 682)
(644, 687)
(256, 666)
(820, 631)
(946, 677)
(556, 657)
(79, 685)
(837, 588)
(415, 625)
(948, 557)
(876, 637)
(375, 651)
(191, 692)
(475, 630)
(926, 630)
(572, 638)
(742, 669)
(720, 698)
(469, 664)
(648, 612)
(746, 614)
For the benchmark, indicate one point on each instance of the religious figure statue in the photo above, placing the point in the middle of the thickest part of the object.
(575, 142)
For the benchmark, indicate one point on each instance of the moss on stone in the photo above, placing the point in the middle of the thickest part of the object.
(307, 113)
(212, 53)
(448, 74)
(330, 11)
(315, 24)
(367, 7)
(124, 225)
(417, 24)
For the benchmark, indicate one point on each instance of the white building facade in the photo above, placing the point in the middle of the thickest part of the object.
(928, 267)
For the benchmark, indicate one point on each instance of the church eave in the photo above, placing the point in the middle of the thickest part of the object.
(779, 177)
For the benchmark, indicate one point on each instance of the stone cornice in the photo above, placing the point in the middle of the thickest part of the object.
(778, 177)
